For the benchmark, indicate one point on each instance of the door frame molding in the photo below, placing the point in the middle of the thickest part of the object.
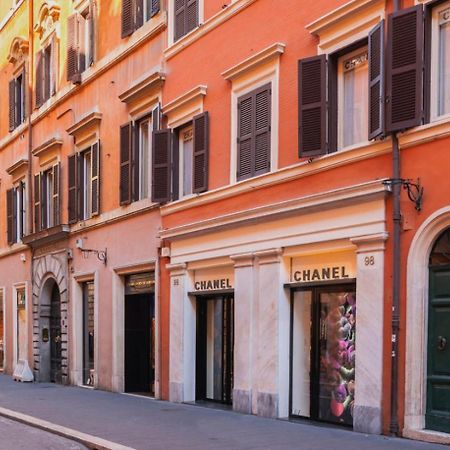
(417, 285)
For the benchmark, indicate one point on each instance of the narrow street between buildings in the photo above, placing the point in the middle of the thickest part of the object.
(142, 423)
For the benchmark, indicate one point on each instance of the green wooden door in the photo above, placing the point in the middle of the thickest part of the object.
(438, 375)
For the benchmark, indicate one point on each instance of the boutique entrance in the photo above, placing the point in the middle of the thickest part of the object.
(215, 342)
(323, 330)
(140, 334)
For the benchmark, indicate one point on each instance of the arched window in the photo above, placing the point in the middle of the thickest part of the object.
(440, 255)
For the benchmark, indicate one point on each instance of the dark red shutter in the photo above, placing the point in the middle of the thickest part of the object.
(127, 18)
(37, 202)
(95, 180)
(376, 81)
(262, 101)
(161, 166)
(39, 78)
(12, 105)
(201, 153)
(23, 106)
(180, 18)
(56, 197)
(81, 183)
(126, 148)
(72, 49)
(191, 15)
(312, 106)
(155, 7)
(72, 188)
(245, 137)
(10, 215)
(404, 69)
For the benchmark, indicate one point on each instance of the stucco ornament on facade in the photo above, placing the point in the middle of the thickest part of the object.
(18, 50)
(48, 16)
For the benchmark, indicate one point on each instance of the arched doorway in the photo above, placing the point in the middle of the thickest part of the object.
(437, 415)
(50, 333)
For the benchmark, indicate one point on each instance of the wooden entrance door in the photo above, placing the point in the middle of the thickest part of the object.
(438, 376)
(55, 336)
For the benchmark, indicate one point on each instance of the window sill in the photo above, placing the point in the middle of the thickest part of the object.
(425, 133)
(286, 174)
(205, 27)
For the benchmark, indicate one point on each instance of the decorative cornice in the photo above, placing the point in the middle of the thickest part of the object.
(269, 256)
(371, 243)
(273, 51)
(243, 260)
(196, 93)
(17, 166)
(328, 199)
(143, 86)
(54, 143)
(337, 15)
(48, 9)
(89, 120)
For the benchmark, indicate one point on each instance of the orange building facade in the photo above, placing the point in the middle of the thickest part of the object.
(231, 202)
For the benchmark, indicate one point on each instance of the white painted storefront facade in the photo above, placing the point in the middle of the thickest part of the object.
(259, 255)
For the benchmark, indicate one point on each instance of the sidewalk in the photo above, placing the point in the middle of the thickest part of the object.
(142, 423)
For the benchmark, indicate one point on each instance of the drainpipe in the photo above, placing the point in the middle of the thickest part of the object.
(30, 110)
(396, 267)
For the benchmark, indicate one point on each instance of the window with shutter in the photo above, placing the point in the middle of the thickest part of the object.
(72, 188)
(55, 195)
(73, 69)
(39, 79)
(404, 69)
(186, 17)
(201, 153)
(141, 158)
(48, 199)
(37, 203)
(312, 106)
(10, 195)
(126, 148)
(12, 105)
(161, 166)
(127, 17)
(95, 179)
(17, 101)
(437, 58)
(376, 81)
(254, 133)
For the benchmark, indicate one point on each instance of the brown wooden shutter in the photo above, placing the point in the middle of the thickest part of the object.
(56, 197)
(138, 13)
(161, 166)
(191, 15)
(245, 137)
(155, 7)
(44, 198)
(376, 81)
(95, 180)
(24, 106)
(126, 148)
(201, 153)
(180, 18)
(91, 31)
(72, 188)
(312, 106)
(81, 183)
(262, 124)
(10, 215)
(37, 203)
(39, 78)
(135, 164)
(404, 69)
(127, 18)
(73, 69)
(12, 105)
(53, 65)
(156, 117)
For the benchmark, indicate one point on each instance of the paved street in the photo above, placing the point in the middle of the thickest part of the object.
(142, 423)
(14, 435)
